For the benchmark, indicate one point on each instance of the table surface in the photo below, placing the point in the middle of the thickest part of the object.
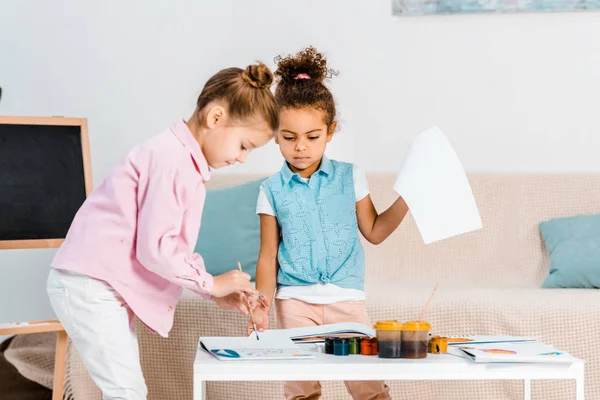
(357, 367)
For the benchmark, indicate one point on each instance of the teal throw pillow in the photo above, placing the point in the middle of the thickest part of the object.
(230, 229)
(573, 244)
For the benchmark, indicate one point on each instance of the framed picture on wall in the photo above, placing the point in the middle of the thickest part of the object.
(428, 7)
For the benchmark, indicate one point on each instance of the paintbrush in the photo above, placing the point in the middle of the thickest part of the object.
(250, 310)
(428, 301)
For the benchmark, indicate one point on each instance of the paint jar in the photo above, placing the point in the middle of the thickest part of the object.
(341, 347)
(329, 345)
(415, 335)
(389, 339)
(438, 345)
(354, 344)
(368, 347)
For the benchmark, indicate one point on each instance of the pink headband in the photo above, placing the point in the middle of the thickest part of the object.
(302, 76)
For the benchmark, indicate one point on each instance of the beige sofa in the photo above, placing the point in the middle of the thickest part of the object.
(489, 284)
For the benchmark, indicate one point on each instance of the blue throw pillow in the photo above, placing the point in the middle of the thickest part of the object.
(230, 229)
(573, 244)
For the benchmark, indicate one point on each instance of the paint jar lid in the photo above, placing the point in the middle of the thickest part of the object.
(416, 326)
(389, 325)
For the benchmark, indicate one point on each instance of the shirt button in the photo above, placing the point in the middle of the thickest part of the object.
(321, 251)
(170, 308)
(203, 283)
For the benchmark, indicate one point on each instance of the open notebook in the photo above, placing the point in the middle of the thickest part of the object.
(478, 339)
(515, 352)
(315, 334)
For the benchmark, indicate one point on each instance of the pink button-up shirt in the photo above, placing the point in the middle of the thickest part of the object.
(138, 229)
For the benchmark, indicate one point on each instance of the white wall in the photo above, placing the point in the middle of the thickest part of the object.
(513, 92)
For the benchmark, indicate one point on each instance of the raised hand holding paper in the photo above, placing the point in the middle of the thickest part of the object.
(435, 187)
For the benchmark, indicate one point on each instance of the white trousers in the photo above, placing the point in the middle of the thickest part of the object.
(101, 327)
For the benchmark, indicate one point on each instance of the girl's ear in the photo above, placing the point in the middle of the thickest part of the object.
(214, 115)
(330, 130)
(276, 137)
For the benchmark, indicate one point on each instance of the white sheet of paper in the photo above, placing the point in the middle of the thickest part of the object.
(268, 340)
(273, 345)
(435, 187)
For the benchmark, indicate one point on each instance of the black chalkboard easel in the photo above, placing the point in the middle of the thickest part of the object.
(45, 175)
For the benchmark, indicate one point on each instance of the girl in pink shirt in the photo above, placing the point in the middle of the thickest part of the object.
(129, 250)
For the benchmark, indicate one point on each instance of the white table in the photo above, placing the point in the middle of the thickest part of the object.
(335, 368)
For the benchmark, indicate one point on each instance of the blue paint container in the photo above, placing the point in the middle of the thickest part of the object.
(341, 347)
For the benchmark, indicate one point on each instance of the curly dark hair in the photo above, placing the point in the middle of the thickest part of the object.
(300, 83)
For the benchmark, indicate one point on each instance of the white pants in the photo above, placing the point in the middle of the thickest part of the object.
(101, 326)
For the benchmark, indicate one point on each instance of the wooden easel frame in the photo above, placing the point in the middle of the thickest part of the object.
(60, 357)
(87, 171)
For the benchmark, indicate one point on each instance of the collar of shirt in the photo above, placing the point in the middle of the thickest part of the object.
(326, 168)
(185, 136)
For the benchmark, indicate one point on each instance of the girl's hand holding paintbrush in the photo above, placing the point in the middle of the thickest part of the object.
(238, 301)
(233, 291)
(251, 307)
(261, 316)
(230, 282)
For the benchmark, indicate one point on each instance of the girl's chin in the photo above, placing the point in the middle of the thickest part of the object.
(219, 165)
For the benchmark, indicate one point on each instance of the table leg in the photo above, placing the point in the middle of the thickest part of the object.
(199, 389)
(60, 359)
(527, 389)
(579, 388)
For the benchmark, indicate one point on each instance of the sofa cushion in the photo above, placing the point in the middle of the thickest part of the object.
(573, 244)
(230, 229)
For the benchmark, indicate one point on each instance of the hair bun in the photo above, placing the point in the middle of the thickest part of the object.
(258, 76)
(307, 64)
